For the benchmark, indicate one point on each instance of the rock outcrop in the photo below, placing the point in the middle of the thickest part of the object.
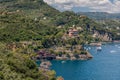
(104, 36)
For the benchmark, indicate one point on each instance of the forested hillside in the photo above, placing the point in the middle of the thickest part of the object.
(34, 19)
(27, 26)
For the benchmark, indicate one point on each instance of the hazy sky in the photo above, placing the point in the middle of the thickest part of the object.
(110, 6)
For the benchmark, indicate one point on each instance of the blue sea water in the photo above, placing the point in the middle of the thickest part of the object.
(105, 65)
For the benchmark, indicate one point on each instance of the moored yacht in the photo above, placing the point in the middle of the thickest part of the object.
(99, 48)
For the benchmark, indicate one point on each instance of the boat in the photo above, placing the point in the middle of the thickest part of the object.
(63, 62)
(99, 48)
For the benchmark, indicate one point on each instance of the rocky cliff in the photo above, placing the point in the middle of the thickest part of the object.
(104, 36)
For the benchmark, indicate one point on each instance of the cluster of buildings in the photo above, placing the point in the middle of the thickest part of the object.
(73, 31)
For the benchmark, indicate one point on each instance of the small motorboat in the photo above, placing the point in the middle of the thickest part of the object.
(99, 48)
(63, 62)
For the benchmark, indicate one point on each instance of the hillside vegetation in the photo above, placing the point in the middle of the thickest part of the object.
(27, 26)
(109, 21)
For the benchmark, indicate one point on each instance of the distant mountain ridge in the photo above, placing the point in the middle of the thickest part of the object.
(100, 15)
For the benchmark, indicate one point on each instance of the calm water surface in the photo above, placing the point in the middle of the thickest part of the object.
(104, 66)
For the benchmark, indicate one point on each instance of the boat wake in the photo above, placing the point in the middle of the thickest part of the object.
(113, 51)
(116, 45)
(63, 62)
(119, 47)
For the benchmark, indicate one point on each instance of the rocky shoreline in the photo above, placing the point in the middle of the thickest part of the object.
(45, 64)
(86, 56)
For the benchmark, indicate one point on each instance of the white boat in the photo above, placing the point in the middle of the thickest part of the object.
(99, 48)
(63, 62)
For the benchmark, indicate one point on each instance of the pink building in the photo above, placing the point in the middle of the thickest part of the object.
(72, 32)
